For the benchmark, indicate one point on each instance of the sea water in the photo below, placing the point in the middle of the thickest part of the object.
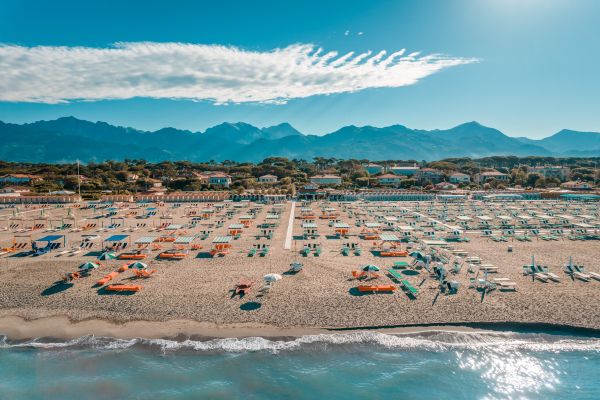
(358, 365)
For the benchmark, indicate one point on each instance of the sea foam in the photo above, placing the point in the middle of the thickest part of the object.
(435, 341)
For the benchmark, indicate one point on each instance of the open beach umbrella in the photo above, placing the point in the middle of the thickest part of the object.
(138, 265)
(370, 268)
(107, 255)
(416, 254)
(272, 277)
(89, 265)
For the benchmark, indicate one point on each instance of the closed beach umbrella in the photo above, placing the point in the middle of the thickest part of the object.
(296, 266)
(107, 255)
(272, 277)
(138, 265)
(416, 254)
(370, 268)
(89, 265)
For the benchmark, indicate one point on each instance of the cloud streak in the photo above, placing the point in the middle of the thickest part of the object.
(53, 74)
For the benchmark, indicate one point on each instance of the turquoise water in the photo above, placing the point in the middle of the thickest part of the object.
(432, 365)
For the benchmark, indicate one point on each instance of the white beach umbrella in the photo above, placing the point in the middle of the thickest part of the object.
(89, 265)
(296, 266)
(138, 265)
(272, 277)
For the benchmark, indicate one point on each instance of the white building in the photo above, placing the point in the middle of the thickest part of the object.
(551, 171)
(326, 180)
(373, 169)
(459, 178)
(267, 179)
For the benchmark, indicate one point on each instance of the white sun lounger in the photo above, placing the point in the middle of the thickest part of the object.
(594, 275)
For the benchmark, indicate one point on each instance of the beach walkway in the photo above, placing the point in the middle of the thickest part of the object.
(287, 245)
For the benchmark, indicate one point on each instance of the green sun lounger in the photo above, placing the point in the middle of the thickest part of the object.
(401, 264)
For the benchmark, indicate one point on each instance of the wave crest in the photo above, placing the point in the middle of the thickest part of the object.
(435, 341)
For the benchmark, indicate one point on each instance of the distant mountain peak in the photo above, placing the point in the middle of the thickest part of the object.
(69, 138)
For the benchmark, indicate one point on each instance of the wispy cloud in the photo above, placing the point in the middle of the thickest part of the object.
(220, 74)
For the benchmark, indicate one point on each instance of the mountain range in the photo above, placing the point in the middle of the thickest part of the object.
(68, 139)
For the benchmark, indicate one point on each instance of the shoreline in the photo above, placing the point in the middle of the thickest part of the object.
(63, 328)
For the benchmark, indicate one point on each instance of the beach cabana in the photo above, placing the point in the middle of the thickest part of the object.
(145, 241)
(235, 230)
(221, 245)
(341, 228)
(246, 220)
(48, 243)
(117, 242)
(309, 229)
(173, 227)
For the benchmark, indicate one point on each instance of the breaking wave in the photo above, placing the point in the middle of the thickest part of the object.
(435, 341)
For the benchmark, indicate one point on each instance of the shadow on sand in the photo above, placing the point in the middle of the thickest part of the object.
(57, 287)
(250, 306)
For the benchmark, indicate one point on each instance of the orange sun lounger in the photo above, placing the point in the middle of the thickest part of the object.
(370, 237)
(361, 274)
(143, 273)
(172, 256)
(131, 256)
(123, 288)
(107, 278)
(394, 253)
(375, 288)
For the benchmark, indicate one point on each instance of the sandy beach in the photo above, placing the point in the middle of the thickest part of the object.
(194, 296)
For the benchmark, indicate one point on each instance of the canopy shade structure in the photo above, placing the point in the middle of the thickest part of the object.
(372, 224)
(117, 238)
(309, 225)
(341, 225)
(184, 239)
(222, 239)
(572, 196)
(463, 218)
(236, 226)
(50, 238)
(388, 237)
(145, 240)
(246, 216)
(174, 227)
(272, 216)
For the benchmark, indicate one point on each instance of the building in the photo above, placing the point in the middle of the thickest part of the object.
(216, 178)
(551, 171)
(267, 179)
(425, 175)
(19, 178)
(389, 180)
(373, 169)
(16, 190)
(458, 177)
(219, 179)
(445, 186)
(577, 185)
(131, 177)
(486, 176)
(326, 180)
(405, 171)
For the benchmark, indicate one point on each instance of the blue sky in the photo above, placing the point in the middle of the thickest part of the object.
(537, 68)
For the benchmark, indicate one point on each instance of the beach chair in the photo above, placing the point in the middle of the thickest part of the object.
(376, 288)
(107, 278)
(142, 273)
(243, 288)
(123, 288)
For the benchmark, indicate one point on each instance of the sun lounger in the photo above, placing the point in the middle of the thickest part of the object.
(243, 287)
(411, 289)
(358, 274)
(142, 273)
(107, 278)
(376, 288)
(507, 285)
(123, 288)
(132, 256)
